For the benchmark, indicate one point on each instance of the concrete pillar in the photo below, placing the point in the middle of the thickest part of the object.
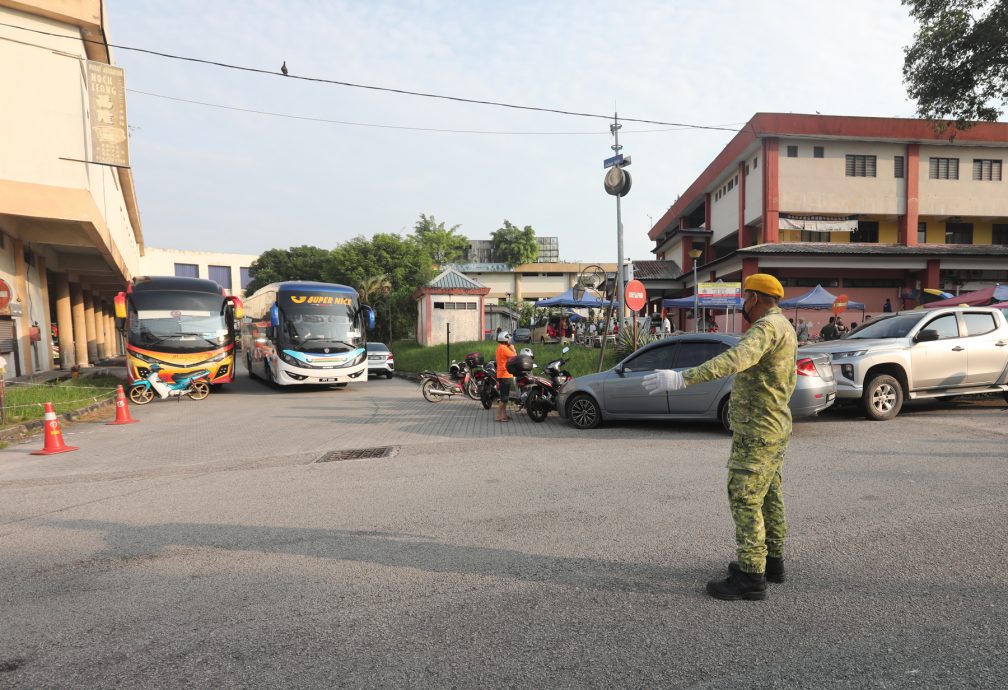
(64, 322)
(89, 327)
(46, 342)
(79, 329)
(24, 325)
(99, 322)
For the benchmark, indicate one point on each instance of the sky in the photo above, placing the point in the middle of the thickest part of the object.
(214, 179)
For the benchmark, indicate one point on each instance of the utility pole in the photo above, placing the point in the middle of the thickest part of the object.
(614, 128)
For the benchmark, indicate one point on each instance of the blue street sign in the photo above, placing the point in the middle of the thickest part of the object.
(615, 160)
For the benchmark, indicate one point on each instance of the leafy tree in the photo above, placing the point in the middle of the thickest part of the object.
(957, 67)
(513, 245)
(404, 264)
(444, 245)
(297, 263)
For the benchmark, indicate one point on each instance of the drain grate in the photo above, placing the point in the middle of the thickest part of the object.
(359, 454)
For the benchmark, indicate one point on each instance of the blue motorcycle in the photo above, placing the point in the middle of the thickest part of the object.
(194, 385)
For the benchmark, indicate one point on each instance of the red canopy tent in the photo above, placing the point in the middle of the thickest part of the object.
(978, 298)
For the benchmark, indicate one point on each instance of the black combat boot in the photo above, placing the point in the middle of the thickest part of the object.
(774, 569)
(738, 585)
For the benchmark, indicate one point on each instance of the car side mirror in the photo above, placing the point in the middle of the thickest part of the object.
(927, 335)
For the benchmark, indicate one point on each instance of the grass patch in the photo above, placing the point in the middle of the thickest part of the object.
(411, 357)
(26, 402)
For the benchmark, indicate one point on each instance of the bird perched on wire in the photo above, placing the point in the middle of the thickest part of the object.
(283, 68)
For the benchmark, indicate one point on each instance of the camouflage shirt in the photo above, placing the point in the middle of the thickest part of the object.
(764, 361)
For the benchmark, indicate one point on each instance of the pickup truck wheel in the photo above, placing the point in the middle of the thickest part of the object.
(882, 398)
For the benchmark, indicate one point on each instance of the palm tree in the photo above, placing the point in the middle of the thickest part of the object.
(373, 286)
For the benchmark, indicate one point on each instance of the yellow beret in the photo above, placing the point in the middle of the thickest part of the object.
(765, 283)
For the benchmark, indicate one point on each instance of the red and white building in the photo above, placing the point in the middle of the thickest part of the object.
(874, 208)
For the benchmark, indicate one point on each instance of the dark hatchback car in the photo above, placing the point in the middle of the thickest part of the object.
(380, 361)
(618, 393)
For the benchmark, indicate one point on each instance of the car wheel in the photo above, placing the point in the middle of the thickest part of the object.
(584, 412)
(724, 412)
(882, 398)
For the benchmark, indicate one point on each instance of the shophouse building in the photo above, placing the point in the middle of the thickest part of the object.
(70, 233)
(873, 208)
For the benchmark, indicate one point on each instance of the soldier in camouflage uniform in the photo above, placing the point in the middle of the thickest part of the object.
(764, 364)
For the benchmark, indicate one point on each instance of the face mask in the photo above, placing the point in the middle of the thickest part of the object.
(745, 312)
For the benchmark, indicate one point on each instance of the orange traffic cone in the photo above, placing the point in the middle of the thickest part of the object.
(53, 436)
(122, 410)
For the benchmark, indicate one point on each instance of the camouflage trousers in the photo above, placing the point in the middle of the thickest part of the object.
(757, 500)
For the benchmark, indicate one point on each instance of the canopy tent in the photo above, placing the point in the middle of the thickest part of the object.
(817, 298)
(977, 298)
(567, 300)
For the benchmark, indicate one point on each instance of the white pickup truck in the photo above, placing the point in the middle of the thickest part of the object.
(924, 353)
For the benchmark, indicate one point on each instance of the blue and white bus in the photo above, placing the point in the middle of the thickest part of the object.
(300, 332)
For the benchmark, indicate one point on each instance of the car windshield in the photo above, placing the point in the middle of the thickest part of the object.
(896, 326)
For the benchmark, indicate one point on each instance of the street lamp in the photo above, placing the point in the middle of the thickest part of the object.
(695, 254)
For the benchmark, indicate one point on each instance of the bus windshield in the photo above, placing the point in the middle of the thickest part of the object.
(176, 321)
(319, 323)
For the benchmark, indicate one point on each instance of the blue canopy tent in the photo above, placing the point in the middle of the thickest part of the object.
(818, 298)
(567, 300)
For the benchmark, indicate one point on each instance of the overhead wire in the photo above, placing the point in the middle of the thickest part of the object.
(371, 87)
(311, 118)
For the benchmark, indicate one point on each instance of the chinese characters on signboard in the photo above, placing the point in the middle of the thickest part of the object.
(107, 96)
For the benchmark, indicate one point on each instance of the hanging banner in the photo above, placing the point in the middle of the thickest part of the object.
(719, 294)
(107, 97)
(818, 223)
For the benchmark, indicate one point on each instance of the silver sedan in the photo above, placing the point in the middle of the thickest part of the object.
(617, 393)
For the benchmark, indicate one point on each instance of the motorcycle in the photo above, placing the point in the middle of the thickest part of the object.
(193, 385)
(436, 387)
(543, 393)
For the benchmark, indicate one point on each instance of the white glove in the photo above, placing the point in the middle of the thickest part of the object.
(663, 380)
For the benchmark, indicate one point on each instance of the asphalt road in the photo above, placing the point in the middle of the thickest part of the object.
(205, 547)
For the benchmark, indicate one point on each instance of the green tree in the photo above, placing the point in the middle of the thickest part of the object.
(513, 245)
(957, 67)
(444, 245)
(404, 264)
(297, 263)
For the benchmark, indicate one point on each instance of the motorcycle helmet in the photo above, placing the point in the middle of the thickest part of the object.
(503, 336)
(526, 351)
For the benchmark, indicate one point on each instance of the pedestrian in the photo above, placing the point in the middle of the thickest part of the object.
(504, 352)
(887, 307)
(802, 331)
(763, 364)
(829, 331)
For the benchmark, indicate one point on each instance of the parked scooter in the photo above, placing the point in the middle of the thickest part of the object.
(436, 387)
(543, 392)
(194, 385)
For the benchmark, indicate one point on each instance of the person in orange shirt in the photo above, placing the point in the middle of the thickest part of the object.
(504, 352)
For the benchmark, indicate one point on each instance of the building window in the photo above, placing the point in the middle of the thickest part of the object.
(818, 152)
(999, 234)
(943, 169)
(867, 231)
(187, 270)
(897, 166)
(958, 233)
(245, 275)
(985, 169)
(220, 275)
(860, 166)
(921, 232)
(792, 151)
